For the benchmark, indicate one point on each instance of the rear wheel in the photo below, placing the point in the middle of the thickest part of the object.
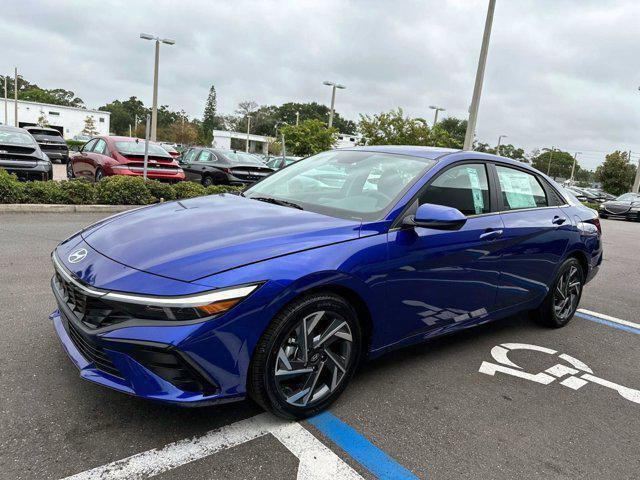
(306, 357)
(207, 181)
(561, 302)
(70, 173)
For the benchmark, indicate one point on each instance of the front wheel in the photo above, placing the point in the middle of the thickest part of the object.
(70, 173)
(99, 175)
(306, 357)
(561, 302)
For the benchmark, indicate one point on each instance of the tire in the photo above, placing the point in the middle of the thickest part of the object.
(549, 313)
(288, 395)
(99, 175)
(70, 173)
(207, 181)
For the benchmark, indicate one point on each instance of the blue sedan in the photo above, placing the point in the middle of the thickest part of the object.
(279, 293)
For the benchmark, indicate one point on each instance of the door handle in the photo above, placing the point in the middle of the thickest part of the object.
(558, 220)
(490, 234)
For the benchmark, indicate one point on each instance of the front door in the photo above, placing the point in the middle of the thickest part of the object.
(187, 164)
(440, 280)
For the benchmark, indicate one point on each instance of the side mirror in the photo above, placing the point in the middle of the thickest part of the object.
(438, 217)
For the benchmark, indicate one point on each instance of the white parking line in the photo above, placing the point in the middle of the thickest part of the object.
(609, 318)
(316, 460)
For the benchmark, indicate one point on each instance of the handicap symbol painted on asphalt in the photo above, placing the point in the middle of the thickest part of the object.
(577, 375)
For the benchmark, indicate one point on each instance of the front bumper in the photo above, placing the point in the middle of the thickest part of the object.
(40, 171)
(628, 215)
(130, 376)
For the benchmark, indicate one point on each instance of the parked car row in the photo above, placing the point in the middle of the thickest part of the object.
(21, 154)
(591, 195)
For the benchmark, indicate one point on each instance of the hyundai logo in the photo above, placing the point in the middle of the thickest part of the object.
(78, 255)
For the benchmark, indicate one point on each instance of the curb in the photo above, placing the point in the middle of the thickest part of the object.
(55, 208)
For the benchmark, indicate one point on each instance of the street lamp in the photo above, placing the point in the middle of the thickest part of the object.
(573, 168)
(477, 88)
(499, 141)
(284, 148)
(333, 98)
(154, 107)
(248, 130)
(437, 109)
(550, 150)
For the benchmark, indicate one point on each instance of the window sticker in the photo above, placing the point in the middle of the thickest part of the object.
(478, 202)
(517, 187)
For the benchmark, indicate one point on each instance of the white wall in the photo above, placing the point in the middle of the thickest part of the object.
(69, 118)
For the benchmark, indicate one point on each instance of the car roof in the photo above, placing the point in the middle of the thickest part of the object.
(9, 128)
(413, 150)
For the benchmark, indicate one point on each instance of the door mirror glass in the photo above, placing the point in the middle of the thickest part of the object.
(439, 217)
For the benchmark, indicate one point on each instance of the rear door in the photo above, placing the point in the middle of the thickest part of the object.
(536, 234)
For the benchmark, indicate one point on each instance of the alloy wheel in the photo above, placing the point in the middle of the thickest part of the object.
(69, 169)
(313, 359)
(567, 293)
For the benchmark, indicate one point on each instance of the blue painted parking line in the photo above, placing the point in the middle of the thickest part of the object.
(359, 448)
(608, 323)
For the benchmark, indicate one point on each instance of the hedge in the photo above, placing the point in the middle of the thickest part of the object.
(115, 190)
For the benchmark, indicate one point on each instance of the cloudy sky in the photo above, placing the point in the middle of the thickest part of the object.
(559, 72)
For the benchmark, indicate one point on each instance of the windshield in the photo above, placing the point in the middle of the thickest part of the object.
(629, 197)
(345, 184)
(137, 148)
(242, 158)
(9, 137)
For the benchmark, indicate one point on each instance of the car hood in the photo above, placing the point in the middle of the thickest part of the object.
(192, 239)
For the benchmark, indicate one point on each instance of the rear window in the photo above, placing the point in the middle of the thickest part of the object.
(8, 137)
(242, 158)
(47, 133)
(137, 148)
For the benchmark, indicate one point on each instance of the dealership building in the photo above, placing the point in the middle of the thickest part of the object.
(70, 121)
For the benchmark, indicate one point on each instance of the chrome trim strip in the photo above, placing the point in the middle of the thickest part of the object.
(183, 302)
(62, 271)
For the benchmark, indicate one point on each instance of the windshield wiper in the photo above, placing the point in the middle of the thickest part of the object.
(277, 201)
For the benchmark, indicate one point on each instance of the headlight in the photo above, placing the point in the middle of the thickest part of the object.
(181, 308)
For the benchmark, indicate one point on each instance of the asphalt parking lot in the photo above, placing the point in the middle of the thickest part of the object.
(445, 409)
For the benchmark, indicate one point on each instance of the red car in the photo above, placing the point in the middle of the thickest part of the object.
(105, 156)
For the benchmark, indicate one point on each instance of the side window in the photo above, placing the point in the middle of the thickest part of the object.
(205, 156)
(464, 187)
(101, 147)
(188, 157)
(520, 189)
(89, 146)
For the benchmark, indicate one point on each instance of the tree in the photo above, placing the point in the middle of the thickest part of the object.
(89, 126)
(507, 150)
(616, 174)
(210, 119)
(124, 113)
(456, 128)
(555, 163)
(309, 137)
(42, 119)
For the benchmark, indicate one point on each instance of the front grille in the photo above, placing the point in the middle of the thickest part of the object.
(91, 311)
(92, 351)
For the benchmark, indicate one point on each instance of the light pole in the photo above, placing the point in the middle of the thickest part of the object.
(6, 95)
(477, 89)
(437, 109)
(297, 118)
(333, 98)
(500, 141)
(154, 108)
(550, 150)
(15, 95)
(248, 129)
(284, 148)
(573, 167)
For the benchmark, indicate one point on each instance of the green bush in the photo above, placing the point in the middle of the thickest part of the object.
(215, 189)
(77, 192)
(42, 192)
(75, 145)
(10, 188)
(595, 206)
(189, 190)
(122, 190)
(161, 191)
